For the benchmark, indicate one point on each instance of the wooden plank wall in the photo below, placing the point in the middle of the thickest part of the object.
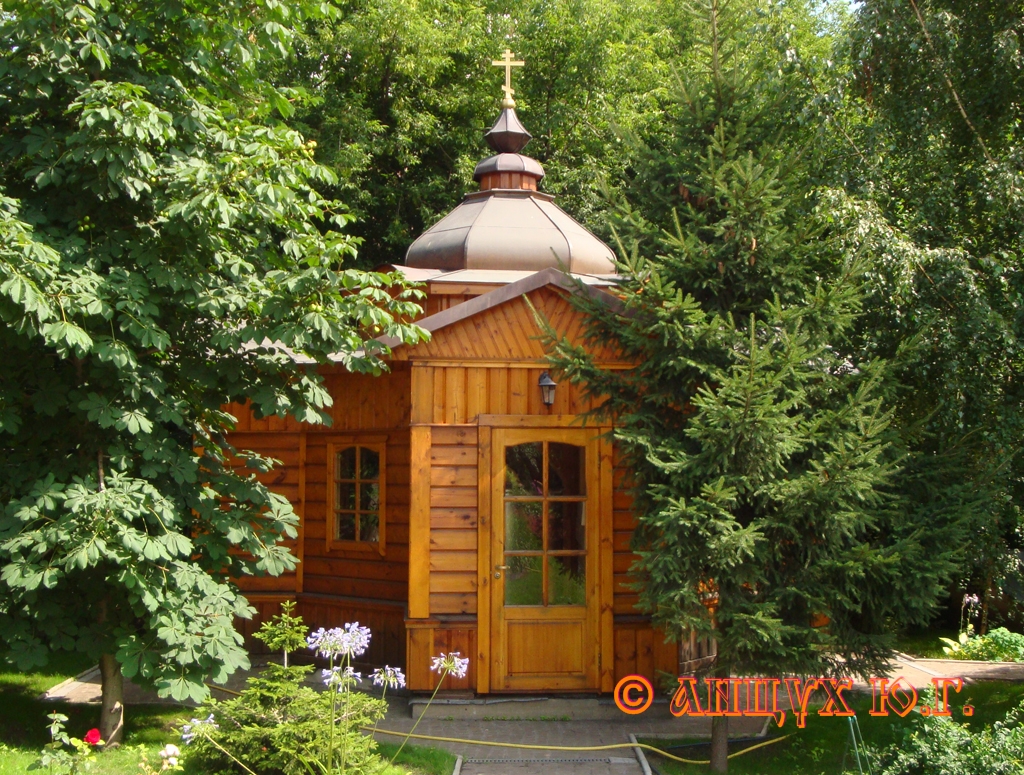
(623, 523)
(453, 519)
(439, 302)
(507, 333)
(366, 586)
(385, 620)
(641, 650)
(428, 639)
(387, 643)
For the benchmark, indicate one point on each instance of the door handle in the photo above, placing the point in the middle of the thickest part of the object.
(498, 569)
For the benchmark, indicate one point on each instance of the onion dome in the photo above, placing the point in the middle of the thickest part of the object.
(508, 223)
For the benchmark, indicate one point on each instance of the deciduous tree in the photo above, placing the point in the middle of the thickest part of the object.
(164, 250)
(934, 103)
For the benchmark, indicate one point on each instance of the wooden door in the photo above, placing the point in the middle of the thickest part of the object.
(545, 603)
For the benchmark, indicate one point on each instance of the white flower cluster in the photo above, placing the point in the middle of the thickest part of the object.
(451, 664)
(169, 754)
(348, 641)
(389, 677)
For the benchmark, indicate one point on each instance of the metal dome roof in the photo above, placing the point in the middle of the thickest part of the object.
(509, 225)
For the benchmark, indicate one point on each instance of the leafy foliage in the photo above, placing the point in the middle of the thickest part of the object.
(164, 250)
(939, 744)
(998, 645)
(932, 104)
(284, 631)
(405, 91)
(56, 759)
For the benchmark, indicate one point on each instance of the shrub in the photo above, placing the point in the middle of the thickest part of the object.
(999, 645)
(279, 726)
(277, 723)
(941, 745)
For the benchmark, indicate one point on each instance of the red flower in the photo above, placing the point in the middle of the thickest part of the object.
(92, 737)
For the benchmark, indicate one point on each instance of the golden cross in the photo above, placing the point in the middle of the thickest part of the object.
(508, 63)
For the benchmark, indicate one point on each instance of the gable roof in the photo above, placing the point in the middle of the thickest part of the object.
(487, 301)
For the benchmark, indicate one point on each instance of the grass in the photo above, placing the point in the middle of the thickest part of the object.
(822, 745)
(434, 761)
(23, 722)
(23, 727)
(924, 644)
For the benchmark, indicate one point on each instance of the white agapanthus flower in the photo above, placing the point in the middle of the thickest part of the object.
(348, 641)
(389, 677)
(451, 664)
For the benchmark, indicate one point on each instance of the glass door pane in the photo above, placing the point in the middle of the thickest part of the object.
(545, 524)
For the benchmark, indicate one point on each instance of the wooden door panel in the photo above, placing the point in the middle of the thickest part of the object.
(530, 652)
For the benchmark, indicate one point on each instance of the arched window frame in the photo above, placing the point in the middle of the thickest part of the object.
(377, 444)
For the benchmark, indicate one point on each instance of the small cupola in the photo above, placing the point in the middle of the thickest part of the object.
(509, 224)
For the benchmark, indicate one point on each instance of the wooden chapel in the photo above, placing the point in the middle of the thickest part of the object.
(457, 503)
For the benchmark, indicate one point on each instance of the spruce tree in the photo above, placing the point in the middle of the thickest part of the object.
(756, 431)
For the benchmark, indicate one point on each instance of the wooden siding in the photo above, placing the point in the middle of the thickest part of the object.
(439, 302)
(479, 370)
(453, 520)
(385, 620)
(641, 650)
(453, 474)
(364, 407)
(623, 524)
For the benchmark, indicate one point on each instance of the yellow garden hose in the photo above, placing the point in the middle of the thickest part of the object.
(572, 747)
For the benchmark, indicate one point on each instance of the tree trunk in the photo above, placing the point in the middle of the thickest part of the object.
(983, 629)
(720, 744)
(112, 710)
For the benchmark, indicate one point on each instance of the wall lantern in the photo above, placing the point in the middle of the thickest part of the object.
(547, 388)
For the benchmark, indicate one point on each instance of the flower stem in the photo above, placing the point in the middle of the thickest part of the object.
(227, 753)
(348, 700)
(334, 721)
(423, 712)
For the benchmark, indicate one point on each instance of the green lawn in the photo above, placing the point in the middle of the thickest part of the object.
(422, 759)
(924, 644)
(820, 747)
(23, 728)
(23, 722)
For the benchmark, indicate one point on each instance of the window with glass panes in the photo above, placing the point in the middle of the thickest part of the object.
(358, 493)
